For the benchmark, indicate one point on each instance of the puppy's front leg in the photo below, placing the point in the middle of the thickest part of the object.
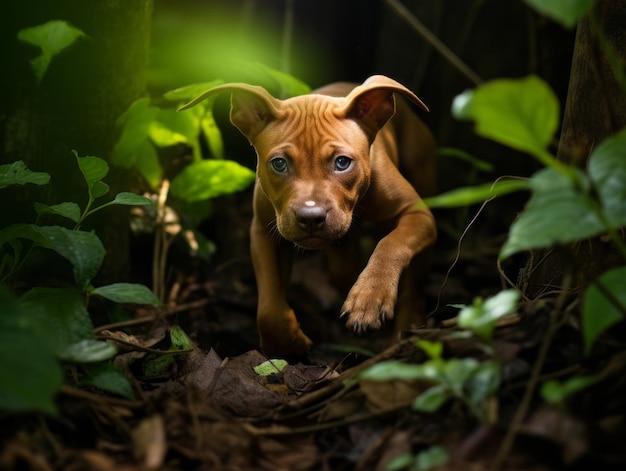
(372, 299)
(279, 331)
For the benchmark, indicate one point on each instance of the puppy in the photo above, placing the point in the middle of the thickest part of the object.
(325, 159)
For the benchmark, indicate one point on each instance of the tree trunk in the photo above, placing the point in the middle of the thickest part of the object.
(74, 106)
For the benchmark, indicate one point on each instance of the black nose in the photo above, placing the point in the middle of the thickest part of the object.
(311, 217)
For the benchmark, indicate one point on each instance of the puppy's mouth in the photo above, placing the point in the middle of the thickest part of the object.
(312, 243)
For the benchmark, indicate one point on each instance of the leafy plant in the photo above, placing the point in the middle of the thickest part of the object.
(52, 38)
(46, 325)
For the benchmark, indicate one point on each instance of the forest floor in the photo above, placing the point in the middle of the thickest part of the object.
(209, 409)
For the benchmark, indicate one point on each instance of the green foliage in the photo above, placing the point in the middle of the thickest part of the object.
(464, 379)
(604, 304)
(47, 325)
(524, 115)
(566, 12)
(482, 316)
(163, 363)
(475, 194)
(431, 458)
(30, 372)
(208, 179)
(52, 38)
(556, 392)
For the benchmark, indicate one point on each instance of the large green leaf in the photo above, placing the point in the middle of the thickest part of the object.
(52, 37)
(84, 250)
(127, 293)
(607, 170)
(521, 113)
(188, 92)
(59, 314)
(17, 173)
(599, 310)
(556, 213)
(209, 179)
(30, 373)
(281, 84)
(566, 12)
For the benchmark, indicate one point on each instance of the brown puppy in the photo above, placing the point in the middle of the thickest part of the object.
(323, 159)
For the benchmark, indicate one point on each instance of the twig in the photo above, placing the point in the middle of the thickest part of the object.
(148, 319)
(404, 13)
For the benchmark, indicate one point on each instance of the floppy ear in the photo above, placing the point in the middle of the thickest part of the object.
(251, 107)
(372, 104)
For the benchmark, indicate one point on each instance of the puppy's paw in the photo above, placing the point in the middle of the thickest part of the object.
(281, 335)
(369, 304)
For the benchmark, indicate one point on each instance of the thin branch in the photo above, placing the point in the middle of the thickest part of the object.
(454, 60)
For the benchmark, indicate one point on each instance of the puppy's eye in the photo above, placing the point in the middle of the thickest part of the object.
(342, 163)
(279, 164)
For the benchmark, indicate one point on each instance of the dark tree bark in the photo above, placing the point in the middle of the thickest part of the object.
(75, 106)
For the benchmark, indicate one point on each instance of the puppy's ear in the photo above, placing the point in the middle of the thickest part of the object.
(252, 107)
(372, 104)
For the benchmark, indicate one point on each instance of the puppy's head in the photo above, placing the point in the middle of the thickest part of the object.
(313, 152)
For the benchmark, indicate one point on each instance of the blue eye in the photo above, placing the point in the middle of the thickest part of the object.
(342, 163)
(279, 165)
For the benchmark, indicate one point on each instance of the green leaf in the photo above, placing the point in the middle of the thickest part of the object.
(147, 162)
(400, 462)
(483, 382)
(566, 12)
(556, 392)
(131, 199)
(179, 339)
(431, 458)
(107, 377)
(134, 124)
(432, 399)
(390, 370)
(127, 293)
(52, 37)
(211, 178)
(171, 127)
(521, 113)
(59, 314)
(84, 250)
(94, 169)
(17, 173)
(554, 205)
(270, 367)
(212, 134)
(457, 371)
(88, 351)
(67, 210)
(607, 170)
(24, 231)
(475, 194)
(433, 349)
(599, 312)
(481, 317)
(31, 376)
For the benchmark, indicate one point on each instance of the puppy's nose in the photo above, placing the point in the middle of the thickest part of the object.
(311, 217)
